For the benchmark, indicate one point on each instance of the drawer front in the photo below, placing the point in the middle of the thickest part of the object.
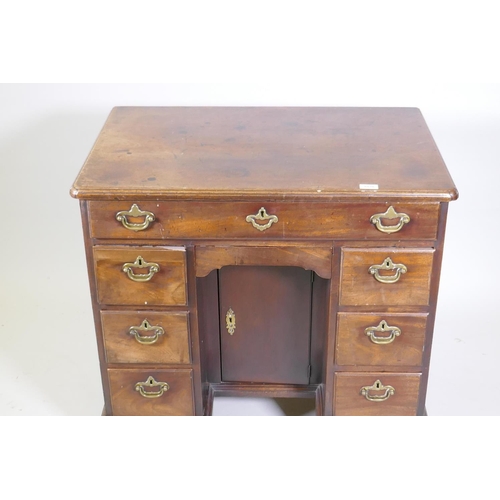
(140, 276)
(385, 276)
(200, 220)
(359, 394)
(145, 337)
(151, 397)
(380, 339)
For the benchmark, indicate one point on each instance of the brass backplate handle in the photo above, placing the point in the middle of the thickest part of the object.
(390, 213)
(140, 263)
(383, 327)
(151, 382)
(262, 215)
(387, 265)
(377, 386)
(135, 211)
(145, 326)
(230, 321)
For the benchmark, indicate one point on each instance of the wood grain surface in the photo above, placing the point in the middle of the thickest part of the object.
(359, 288)
(177, 401)
(354, 347)
(349, 401)
(121, 347)
(294, 152)
(201, 220)
(317, 259)
(272, 306)
(166, 287)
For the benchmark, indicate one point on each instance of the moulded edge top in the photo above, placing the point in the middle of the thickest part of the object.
(323, 196)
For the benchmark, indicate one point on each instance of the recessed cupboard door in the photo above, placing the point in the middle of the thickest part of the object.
(265, 324)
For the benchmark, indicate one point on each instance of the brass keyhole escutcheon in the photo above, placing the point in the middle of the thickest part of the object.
(145, 326)
(140, 263)
(151, 382)
(262, 215)
(377, 397)
(383, 327)
(387, 265)
(230, 321)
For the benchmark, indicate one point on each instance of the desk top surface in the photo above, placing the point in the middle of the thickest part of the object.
(284, 153)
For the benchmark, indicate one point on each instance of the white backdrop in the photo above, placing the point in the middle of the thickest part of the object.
(46, 332)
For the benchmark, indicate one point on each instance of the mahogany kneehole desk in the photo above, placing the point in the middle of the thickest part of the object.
(278, 252)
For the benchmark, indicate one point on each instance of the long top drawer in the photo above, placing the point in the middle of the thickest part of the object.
(265, 220)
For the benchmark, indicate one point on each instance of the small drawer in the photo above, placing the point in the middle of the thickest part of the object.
(380, 339)
(151, 392)
(376, 394)
(262, 220)
(145, 337)
(140, 276)
(385, 276)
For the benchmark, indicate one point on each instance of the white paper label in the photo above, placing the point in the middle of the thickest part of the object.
(368, 186)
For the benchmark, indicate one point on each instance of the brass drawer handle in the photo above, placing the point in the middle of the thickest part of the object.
(146, 327)
(135, 211)
(390, 213)
(151, 382)
(394, 332)
(377, 386)
(262, 215)
(230, 321)
(387, 265)
(140, 263)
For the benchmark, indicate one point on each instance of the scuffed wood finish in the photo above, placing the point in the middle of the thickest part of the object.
(350, 401)
(295, 152)
(177, 401)
(121, 347)
(200, 220)
(317, 259)
(354, 347)
(166, 287)
(360, 288)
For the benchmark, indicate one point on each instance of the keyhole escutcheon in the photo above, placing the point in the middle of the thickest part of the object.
(230, 321)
